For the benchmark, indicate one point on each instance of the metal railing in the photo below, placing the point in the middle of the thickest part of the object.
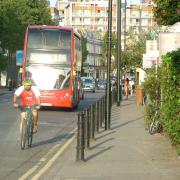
(90, 121)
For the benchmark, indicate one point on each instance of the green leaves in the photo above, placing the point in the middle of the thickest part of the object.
(15, 16)
(3, 62)
(166, 12)
(168, 84)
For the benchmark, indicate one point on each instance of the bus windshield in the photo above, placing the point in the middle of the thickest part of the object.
(49, 46)
(49, 78)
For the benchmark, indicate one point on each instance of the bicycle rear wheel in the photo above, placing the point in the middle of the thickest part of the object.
(23, 134)
(30, 132)
(153, 128)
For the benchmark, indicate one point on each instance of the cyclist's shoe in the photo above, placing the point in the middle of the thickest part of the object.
(35, 129)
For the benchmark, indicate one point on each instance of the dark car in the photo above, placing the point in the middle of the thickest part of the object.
(89, 84)
(102, 84)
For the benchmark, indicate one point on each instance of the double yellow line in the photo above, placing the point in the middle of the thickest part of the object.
(51, 160)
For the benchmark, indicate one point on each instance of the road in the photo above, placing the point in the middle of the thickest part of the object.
(55, 128)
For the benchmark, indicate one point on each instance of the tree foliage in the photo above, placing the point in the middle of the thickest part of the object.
(105, 47)
(166, 12)
(170, 84)
(132, 56)
(15, 16)
(3, 62)
(164, 84)
(84, 49)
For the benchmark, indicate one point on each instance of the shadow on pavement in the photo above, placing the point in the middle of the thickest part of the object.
(53, 140)
(100, 152)
(128, 122)
(99, 137)
(98, 144)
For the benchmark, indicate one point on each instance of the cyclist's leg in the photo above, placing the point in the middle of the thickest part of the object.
(22, 134)
(22, 116)
(35, 118)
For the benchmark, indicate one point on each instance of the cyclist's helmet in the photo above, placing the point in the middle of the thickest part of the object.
(27, 83)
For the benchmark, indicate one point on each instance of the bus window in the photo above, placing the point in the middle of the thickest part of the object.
(49, 46)
(50, 78)
(34, 39)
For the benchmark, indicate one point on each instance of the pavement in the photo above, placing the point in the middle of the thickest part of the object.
(5, 95)
(4, 90)
(125, 152)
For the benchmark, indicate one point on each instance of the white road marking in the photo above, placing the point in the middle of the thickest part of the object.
(50, 162)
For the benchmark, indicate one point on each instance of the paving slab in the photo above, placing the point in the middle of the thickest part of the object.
(126, 152)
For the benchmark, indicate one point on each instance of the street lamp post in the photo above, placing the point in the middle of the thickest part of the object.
(108, 88)
(125, 4)
(118, 51)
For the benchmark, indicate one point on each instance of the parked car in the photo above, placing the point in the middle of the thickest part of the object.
(81, 90)
(89, 84)
(102, 84)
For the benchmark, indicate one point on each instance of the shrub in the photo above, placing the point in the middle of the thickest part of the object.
(170, 85)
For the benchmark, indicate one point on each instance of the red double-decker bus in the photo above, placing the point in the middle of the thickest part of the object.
(52, 58)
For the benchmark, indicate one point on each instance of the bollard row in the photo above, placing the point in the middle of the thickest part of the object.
(89, 122)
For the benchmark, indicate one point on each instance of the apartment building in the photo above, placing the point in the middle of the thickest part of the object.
(53, 6)
(93, 15)
(90, 15)
(141, 18)
(147, 1)
(93, 66)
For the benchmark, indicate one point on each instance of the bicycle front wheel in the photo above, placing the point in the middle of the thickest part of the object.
(23, 134)
(30, 132)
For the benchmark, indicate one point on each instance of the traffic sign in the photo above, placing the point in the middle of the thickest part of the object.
(19, 57)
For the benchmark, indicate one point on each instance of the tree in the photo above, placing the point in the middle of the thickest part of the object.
(3, 62)
(84, 48)
(105, 48)
(15, 16)
(132, 56)
(166, 12)
(84, 51)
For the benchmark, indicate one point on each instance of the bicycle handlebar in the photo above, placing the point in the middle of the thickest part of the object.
(28, 107)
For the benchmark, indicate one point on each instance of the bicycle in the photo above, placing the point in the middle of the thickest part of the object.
(156, 125)
(27, 125)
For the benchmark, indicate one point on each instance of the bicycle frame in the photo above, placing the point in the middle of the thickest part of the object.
(27, 125)
(155, 126)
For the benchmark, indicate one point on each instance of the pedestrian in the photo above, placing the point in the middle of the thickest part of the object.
(126, 86)
(10, 84)
(131, 86)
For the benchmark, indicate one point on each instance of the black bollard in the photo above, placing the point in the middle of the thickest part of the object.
(101, 112)
(80, 138)
(97, 116)
(93, 122)
(88, 128)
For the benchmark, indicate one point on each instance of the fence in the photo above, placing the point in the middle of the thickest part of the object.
(90, 121)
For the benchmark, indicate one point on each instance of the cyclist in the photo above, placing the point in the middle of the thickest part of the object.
(30, 96)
